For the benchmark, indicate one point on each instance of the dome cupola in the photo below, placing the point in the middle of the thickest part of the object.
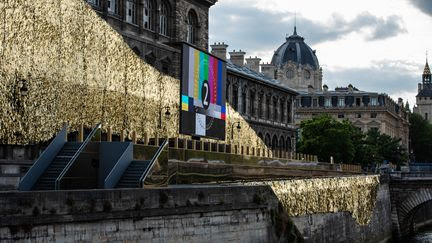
(295, 50)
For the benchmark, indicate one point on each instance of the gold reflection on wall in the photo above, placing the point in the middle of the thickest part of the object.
(356, 195)
(60, 62)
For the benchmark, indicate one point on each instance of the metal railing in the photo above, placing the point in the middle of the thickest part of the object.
(152, 162)
(75, 156)
(119, 168)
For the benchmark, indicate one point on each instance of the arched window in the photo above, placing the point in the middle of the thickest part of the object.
(148, 14)
(244, 105)
(267, 140)
(252, 103)
(288, 143)
(282, 113)
(289, 115)
(282, 144)
(192, 27)
(130, 11)
(235, 98)
(163, 19)
(260, 106)
(268, 103)
(274, 144)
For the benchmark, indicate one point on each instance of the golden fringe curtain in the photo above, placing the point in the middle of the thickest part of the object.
(356, 194)
(60, 62)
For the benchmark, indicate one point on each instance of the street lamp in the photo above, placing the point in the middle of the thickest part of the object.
(232, 129)
(167, 116)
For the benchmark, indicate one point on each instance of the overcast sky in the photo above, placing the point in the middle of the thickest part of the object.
(376, 45)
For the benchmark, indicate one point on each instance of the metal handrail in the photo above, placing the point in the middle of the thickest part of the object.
(152, 162)
(75, 156)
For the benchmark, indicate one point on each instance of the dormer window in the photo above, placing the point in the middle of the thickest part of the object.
(374, 101)
(112, 6)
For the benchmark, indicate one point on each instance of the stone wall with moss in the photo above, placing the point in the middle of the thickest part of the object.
(61, 63)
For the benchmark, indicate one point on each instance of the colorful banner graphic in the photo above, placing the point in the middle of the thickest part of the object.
(203, 109)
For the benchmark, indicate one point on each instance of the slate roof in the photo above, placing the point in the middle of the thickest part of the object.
(295, 50)
(426, 91)
(247, 72)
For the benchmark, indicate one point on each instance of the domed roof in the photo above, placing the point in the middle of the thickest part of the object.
(295, 50)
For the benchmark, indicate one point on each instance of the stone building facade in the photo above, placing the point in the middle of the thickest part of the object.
(295, 64)
(149, 26)
(424, 96)
(266, 104)
(366, 110)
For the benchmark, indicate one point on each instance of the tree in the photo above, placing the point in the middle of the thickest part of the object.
(325, 137)
(421, 138)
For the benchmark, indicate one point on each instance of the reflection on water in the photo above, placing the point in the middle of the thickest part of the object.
(424, 236)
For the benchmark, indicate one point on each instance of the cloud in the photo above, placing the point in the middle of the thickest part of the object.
(254, 29)
(424, 5)
(384, 76)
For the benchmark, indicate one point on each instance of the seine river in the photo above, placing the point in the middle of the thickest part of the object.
(423, 236)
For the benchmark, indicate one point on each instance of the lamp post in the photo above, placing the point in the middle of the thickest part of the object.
(232, 129)
(167, 116)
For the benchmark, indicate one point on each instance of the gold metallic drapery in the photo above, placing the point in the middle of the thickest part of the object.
(60, 62)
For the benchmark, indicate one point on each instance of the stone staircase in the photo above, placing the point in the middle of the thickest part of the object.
(48, 178)
(132, 175)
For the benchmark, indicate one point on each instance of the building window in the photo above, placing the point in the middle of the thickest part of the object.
(341, 115)
(374, 101)
(341, 102)
(373, 115)
(235, 98)
(359, 115)
(260, 106)
(192, 27)
(244, 105)
(130, 11)
(93, 2)
(252, 103)
(327, 102)
(268, 101)
(358, 102)
(163, 19)
(148, 14)
(282, 113)
(112, 6)
(289, 112)
(315, 102)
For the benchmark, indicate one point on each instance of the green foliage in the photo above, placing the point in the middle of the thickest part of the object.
(325, 137)
(421, 138)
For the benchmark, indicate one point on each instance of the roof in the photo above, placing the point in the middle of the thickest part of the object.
(247, 72)
(426, 70)
(339, 91)
(426, 91)
(295, 50)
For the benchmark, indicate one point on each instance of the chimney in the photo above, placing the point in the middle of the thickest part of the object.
(325, 88)
(253, 63)
(268, 70)
(237, 57)
(219, 50)
(400, 102)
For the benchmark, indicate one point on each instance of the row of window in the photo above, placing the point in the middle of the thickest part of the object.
(274, 108)
(359, 115)
(145, 13)
(337, 101)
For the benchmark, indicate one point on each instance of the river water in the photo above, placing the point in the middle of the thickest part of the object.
(423, 236)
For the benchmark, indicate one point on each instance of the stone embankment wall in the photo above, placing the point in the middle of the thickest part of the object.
(194, 213)
(341, 226)
(191, 214)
